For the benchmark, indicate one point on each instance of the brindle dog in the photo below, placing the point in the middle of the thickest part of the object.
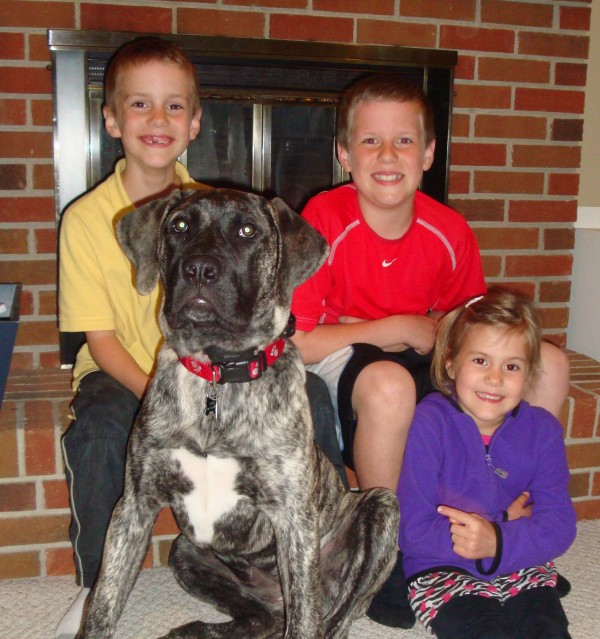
(269, 536)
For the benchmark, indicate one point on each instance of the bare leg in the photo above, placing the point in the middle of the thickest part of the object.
(551, 389)
(383, 400)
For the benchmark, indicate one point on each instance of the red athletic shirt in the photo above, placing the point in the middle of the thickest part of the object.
(435, 265)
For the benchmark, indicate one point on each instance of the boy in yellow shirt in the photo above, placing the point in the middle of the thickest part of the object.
(152, 104)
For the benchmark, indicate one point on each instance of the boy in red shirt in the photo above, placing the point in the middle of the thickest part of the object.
(366, 321)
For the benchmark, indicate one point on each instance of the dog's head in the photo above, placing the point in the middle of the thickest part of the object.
(228, 261)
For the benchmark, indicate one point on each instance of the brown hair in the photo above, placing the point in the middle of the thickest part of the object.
(141, 51)
(499, 307)
(392, 87)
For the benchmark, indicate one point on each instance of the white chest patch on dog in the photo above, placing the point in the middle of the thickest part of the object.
(213, 493)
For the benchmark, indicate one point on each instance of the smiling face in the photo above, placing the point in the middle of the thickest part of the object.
(490, 374)
(386, 156)
(154, 115)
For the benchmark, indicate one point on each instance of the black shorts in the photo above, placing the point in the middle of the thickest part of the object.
(364, 354)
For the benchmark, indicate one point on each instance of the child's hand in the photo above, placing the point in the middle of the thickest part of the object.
(473, 537)
(519, 508)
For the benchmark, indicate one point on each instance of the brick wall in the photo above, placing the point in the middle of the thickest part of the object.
(517, 128)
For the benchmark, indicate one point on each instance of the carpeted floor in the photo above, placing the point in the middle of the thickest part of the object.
(31, 608)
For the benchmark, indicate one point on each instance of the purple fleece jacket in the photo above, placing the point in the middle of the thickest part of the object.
(446, 463)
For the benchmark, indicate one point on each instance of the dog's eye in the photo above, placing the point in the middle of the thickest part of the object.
(180, 225)
(247, 230)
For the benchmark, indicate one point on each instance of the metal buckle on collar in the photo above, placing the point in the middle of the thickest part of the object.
(241, 370)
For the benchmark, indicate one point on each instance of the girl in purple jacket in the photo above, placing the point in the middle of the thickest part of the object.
(483, 491)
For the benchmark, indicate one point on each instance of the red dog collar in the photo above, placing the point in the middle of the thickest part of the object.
(237, 367)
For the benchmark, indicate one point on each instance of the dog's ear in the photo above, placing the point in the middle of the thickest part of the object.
(137, 233)
(303, 248)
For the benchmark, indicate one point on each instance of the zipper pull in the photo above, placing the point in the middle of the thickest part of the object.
(501, 473)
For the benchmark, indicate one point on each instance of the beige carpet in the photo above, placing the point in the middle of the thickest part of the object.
(31, 608)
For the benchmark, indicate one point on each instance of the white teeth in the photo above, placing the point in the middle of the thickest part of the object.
(489, 396)
(387, 177)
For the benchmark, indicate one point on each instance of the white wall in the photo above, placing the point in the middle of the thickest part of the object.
(583, 332)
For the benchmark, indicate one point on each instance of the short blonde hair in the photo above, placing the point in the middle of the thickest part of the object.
(141, 51)
(499, 307)
(392, 87)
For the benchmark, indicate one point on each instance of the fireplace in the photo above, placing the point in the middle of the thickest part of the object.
(268, 122)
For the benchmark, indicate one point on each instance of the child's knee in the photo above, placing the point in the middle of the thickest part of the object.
(385, 382)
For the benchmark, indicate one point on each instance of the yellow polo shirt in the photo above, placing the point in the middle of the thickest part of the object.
(96, 280)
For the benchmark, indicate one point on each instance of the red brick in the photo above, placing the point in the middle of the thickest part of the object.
(26, 209)
(556, 239)
(12, 112)
(553, 318)
(114, 17)
(25, 80)
(478, 154)
(59, 561)
(13, 177)
(555, 292)
(551, 100)
(459, 182)
(26, 144)
(501, 238)
(13, 241)
(37, 529)
(166, 524)
(579, 485)
(45, 240)
(542, 211)
(529, 14)
(56, 494)
(563, 184)
(480, 210)
(224, 23)
(538, 265)
(508, 182)
(40, 332)
(553, 45)
(596, 484)
(38, 48)
(570, 74)
(48, 302)
(464, 10)
(20, 565)
(41, 112)
(583, 421)
(323, 29)
(405, 34)
(465, 67)
(44, 15)
(567, 130)
(492, 265)
(12, 46)
(575, 18)
(534, 155)
(20, 362)
(26, 303)
(477, 96)
(40, 458)
(461, 123)
(283, 4)
(16, 497)
(373, 7)
(477, 39)
(50, 359)
(8, 439)
(43, 177)
(511, 127)
(589, 509)
(32, 272)
(513, 70)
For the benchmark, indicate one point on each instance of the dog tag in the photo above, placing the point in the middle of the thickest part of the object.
(213, 394)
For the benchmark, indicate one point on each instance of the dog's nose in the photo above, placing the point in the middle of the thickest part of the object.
(204, 268)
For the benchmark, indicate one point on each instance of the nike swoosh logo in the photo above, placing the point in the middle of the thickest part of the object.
(385, 263)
